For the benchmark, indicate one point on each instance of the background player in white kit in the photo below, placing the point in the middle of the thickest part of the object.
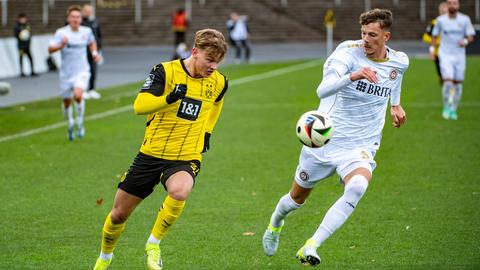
(457, 32)
(359, 79)
(73, 41)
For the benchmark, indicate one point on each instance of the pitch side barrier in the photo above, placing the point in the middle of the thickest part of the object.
(9, 65)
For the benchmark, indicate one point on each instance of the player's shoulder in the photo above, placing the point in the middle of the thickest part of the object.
(350, 46)
(463, 17)
(158, 69)
(219, 76)
(85, 29)
(442, 18)
(398, 58)
(347, 48)
(63, 29)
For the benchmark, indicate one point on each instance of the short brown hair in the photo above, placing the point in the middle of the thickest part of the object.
(212, 41)
(74, 8)
(383, 16)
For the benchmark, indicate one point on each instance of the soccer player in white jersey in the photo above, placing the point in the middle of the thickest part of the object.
(359, 79)
(73, 40)
(457, 32)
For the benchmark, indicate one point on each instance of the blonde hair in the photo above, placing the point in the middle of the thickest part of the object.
(73, 8)
(211, 41)
(383, 16)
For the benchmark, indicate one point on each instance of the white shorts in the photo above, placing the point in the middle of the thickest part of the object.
(316, 164)
(79, 80)
(452, 66)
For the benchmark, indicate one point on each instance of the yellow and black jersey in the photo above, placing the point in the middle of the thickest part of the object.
(176, 131)
(427, 36)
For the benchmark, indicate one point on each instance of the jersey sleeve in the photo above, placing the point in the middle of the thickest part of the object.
(397, 88)
(469, 31)
(335, 73)
(91, 37)
(224, 90)
(57, 39)
(437, 28)
(155, 81)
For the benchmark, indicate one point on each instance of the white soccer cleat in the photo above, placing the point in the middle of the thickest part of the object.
(94, 94)
(270, 240)
(81, 132)
(86, 95)
(307, 255)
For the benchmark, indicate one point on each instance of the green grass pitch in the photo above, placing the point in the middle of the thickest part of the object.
(420, 212)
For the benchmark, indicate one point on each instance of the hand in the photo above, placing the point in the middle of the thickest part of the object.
(463, 42)
(96, 56)
(431, 51)
(206, 144)
(364, 73)
(64, 42)
(398, 116)
(178, 92)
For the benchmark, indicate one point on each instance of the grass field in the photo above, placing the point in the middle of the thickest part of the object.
(420, 212)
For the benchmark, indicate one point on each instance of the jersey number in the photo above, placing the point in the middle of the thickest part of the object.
(189, 109)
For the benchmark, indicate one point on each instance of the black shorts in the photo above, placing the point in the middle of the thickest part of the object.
(146, 172)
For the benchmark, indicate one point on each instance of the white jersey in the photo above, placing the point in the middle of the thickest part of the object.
(239, 29)
(74, 54)
(358, 109)
(452, 31)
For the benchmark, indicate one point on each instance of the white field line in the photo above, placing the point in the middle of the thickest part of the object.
(247, 79)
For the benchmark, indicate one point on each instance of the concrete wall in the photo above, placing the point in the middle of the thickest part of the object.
(9, 63)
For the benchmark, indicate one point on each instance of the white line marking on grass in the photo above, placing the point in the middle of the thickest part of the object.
(63, 124)
(261, 76)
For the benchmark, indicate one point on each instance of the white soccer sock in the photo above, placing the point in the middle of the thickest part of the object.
(284, 206)
(68, 113)
(341, 209)
(80, 107)
(106, 256)
(447, 85)
(457, 96)
(153, 240)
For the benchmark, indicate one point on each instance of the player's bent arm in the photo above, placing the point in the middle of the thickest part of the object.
(146, 103)
(332, 83)
(94, 50)
(53, 48)
(213, 117)
(470, 39)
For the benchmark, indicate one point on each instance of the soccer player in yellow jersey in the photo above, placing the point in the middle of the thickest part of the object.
(427, 38)
(182, 100)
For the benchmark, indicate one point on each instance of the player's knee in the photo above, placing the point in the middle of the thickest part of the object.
(298, 198)
(118, 217)
(179, 194)
(179, 185)
(357, 186)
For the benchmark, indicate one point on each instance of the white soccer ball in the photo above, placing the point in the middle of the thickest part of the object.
(314, 129)
(24, 35)
(5, 88)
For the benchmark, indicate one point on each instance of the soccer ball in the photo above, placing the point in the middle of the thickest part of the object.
(314, 129)
(24, 35)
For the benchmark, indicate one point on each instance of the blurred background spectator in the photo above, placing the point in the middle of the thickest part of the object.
(89, 20)
(23, 33)
(238, 32)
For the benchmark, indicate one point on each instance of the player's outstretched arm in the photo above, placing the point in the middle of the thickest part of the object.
(398, 115)
(147, 103)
